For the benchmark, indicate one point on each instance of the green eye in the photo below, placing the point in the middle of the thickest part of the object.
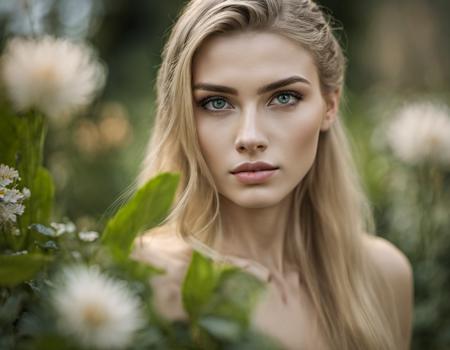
(214, 104)
(287, 98)
(284, 98)
(218, 103)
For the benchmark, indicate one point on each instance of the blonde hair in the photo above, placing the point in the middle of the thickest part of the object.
(330, 213)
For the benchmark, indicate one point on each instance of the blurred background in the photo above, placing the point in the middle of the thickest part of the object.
(398, 54)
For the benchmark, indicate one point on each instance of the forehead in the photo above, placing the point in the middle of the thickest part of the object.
(262, 55)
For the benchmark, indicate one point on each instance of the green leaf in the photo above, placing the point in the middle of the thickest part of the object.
(140, 271)
(235, 297)
(219, 290)
(42, 197)
(38, 207)
(15, 269)
(202, 278)
(10, 125)
(221, 328)
(147, 208)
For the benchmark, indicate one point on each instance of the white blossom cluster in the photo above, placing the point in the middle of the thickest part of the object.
(420, 132)
(11, 199)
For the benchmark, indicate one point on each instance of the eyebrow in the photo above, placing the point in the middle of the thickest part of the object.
(266, 88)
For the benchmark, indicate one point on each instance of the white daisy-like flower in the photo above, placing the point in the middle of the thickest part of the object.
(55, 76)
(7, 175)
(11, 198)
(420, 133)
(96, 310)
(11, 195)
(9, 212)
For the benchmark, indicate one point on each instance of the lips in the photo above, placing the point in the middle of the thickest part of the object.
(253, 174)
(253, 167)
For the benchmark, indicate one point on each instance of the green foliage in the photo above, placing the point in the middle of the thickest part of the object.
(10, 134)
(411, 206)
(201, 281)
(145, 210)
(219, 299)
(21, 141)
(219, 290)
(40, 205)
(15, 269)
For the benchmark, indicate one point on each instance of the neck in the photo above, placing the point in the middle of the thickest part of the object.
(255, 233)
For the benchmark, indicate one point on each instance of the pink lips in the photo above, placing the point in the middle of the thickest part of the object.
(254, 173)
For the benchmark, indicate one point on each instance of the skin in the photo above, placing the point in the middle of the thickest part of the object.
(280, 127)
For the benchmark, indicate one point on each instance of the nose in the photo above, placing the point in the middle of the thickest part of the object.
(250, 136)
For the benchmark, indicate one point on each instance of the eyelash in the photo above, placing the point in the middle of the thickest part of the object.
(202, 103)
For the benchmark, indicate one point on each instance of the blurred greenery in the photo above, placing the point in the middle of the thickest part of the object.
(397, 50)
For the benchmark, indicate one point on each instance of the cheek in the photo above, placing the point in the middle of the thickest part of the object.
(210, 142)
(306, 138)
(303, 141)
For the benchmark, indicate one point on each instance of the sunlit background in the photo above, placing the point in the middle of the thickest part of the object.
(398, 53)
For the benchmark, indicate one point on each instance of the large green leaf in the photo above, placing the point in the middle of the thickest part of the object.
(235, 296)
(147, 208)
(202, 279)
(219, 299)
(15, 269)
(221, 290)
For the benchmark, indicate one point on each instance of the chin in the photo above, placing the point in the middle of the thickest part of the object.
(255, 199)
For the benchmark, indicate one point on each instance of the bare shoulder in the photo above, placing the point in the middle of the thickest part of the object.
(392, 262)
(397, 271)
(389, 258)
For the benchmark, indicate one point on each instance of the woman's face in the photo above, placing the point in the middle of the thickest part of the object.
(257, 99)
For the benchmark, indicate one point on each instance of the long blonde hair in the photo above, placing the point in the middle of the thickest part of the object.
(330, 213)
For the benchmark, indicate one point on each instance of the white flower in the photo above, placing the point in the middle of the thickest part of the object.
(7, 175)
(96, 310)
(421, 133)
(61, 228)
(88, 236)
(10, 198)
(55, 76)
(11, 195)
(26, 193)
(9, 211)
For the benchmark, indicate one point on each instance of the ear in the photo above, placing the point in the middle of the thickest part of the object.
(332, 101)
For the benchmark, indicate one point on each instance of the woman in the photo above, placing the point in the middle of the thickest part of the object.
(247, 112)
